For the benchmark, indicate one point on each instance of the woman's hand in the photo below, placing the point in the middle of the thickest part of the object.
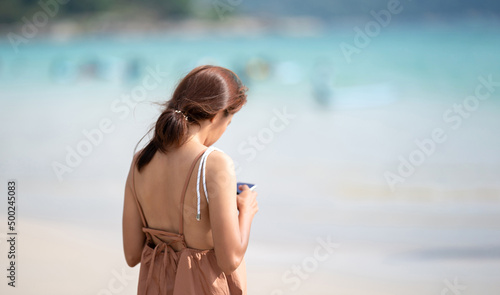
(230, 221)
(247, 200)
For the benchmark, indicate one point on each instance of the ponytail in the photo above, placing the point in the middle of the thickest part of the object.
(199, 96)
(170, 130)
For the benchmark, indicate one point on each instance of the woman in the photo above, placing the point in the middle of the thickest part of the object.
(190, 236)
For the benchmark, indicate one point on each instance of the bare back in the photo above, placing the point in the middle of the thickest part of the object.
(159, 187)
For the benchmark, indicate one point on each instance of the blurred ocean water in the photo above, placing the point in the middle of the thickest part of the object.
(429, 60)
(318, 136)
(406, 76)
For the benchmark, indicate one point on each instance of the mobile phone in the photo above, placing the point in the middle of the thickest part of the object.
(250, 185)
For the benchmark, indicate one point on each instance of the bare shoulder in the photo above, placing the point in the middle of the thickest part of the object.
(218, 160)
(133, 167)
(219, 166)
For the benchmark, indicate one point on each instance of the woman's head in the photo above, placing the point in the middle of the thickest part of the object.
(206, 94)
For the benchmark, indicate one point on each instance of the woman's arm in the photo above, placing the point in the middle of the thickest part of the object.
(133, 236)
(230, 228)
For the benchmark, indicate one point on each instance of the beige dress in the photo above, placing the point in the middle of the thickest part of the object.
(186, 270)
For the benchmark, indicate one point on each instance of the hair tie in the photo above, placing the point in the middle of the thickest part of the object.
(185, 117)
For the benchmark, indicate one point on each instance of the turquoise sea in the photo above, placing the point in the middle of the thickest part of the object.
(328, 133)
(429, 60)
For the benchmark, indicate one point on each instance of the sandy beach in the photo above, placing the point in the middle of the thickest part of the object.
(377, 248)
(383, 187)
(417, 240)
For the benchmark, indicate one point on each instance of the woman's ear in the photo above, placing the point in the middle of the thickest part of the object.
(216, 117)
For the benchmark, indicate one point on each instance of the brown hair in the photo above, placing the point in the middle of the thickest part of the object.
(200, 95)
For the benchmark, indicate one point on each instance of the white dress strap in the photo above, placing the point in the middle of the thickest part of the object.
(203, 166)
